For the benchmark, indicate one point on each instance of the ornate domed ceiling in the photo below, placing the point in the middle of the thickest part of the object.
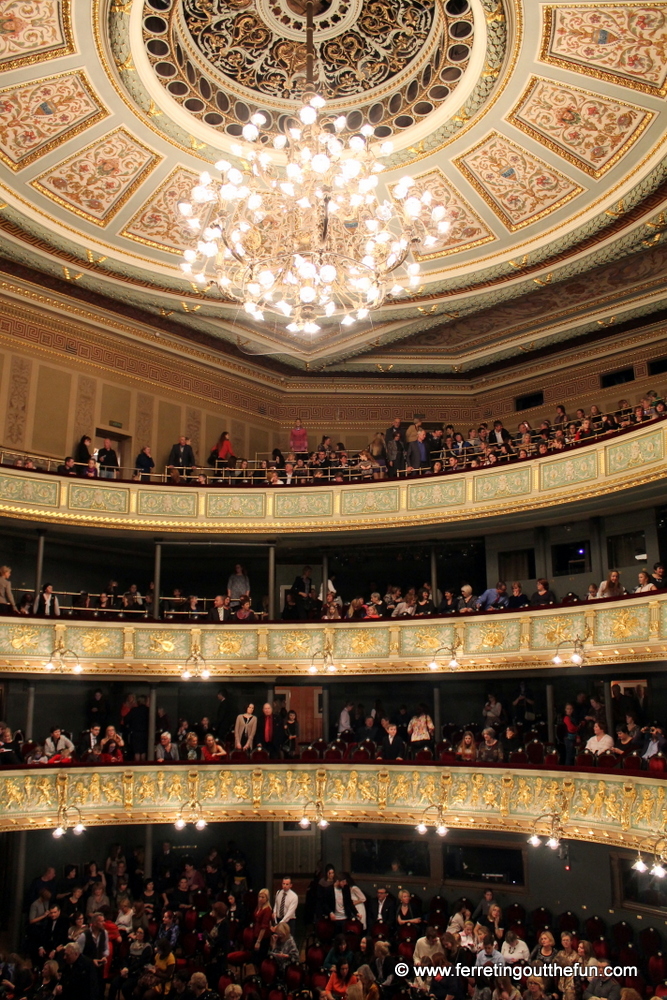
(541, 127)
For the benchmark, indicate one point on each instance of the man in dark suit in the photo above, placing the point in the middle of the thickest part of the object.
(393, 747)
(395, 428)
(220, 611)
(89, 739)
(339, 907)
(301, 589)
(80, 977)
(382, 909)
(271, 732)
(499, 435)
(53, 933)
(182, 457)
(419, 456)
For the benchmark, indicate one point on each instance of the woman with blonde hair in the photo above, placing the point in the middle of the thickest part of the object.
(492, 922)
(367, 982)
(467, 748)
(283, 946)
(534, 989)
(261, 924)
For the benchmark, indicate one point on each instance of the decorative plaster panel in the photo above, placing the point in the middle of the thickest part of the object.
(632, 453)
(568, 471)
(497, 485)
(425, 496)
(236, 505)
(16, 489)
(111, 499)
(160, 503)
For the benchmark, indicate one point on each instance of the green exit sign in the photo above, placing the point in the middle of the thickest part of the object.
(114, 423)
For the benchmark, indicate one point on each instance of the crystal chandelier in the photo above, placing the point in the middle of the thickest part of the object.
(301, 232)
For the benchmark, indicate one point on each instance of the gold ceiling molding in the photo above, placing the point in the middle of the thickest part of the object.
(619, 809)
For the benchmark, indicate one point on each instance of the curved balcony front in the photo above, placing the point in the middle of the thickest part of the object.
(634, 461)
(613, 808)
(628, 630)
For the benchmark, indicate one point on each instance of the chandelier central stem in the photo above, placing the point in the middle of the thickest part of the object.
(310, 44)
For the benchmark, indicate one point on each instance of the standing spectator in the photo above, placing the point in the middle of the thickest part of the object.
(285, 905)
(345, 718)
(222, 452)
(82, 454)
(181, 456)
(80, 977)
(301, 589)
(571, 733)
(238, 586)
(144, 464)
(271, 733)
(6, 597)
(420, 729)
(108, 460)
(245, 729)
(493, 710)
(291, 745)
(225, 715)
(97, 709)
(524, 704)
(418, 455)
(47, 603)
(298, 439)
(137, 724)
(395, 454)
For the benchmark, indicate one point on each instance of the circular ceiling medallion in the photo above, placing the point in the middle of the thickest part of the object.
(387, 63)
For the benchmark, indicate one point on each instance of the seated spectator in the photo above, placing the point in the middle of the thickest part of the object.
(368, 730)
(57, 746)
(406, 608)
(490, 751)
(112, 753)
(245, 612)
(600, 740)
(221, 610)
(467, 748)
(514, 949)
(449, 603)
(659, 577)
(612, 587)
(339, 982)
(492, 922)
(602, 985)
(510, 741)
(408, 911)
(166, 750)
(467, 601)
(654, 741)
(517, 598)
(190, 749)
(645, 583)
(212, 750)
(67, 468)
(493, 597)
(290, 612)
(543, 595)
(489, 955)
(393, 746)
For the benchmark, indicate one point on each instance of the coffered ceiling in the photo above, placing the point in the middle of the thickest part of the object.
(541, 126)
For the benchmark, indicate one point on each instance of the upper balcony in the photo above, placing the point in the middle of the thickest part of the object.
(580, 479)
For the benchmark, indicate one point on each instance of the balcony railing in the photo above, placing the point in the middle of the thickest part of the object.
(627, 630)
(633, 460)
(612, 808)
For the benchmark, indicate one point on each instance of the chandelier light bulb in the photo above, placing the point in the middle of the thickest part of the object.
(304, 822)
(577, 659)
(322, 823)
(433, 665)
(640, 865)
(658, 871)
(534, 840)
(441, 830)
(201, 824)
(49, 665)
(553, 843)
(77, 668)
(58, 832)
(180, 823)
(78, 829)
(186, 675)
(453, 663)
(556, 659)
(421, 827)
(205, 674)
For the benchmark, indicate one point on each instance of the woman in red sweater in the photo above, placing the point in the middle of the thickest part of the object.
(223, 451)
